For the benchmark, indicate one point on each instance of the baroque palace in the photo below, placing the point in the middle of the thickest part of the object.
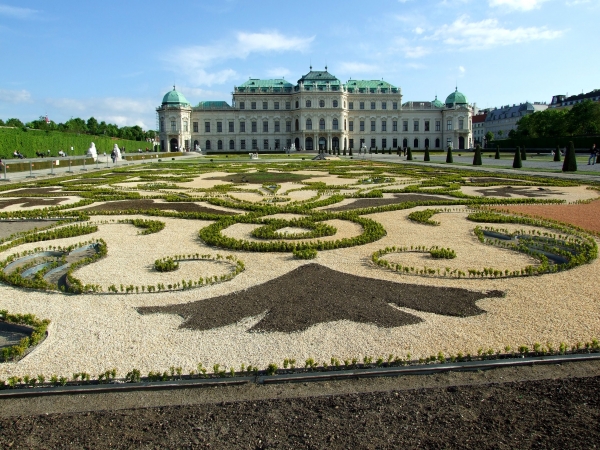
(317, 113)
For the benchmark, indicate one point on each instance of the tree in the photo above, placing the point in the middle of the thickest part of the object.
(523, 154)
(449, 158)
(1, 123)
(584, 118)
(489, 137)
(76, 125)
(12, 122)
(92, 125)
(557, 154)
(517, 164)
(426, 157)
(570, 162)
(477, 156)
(409, 155)
(497, 155)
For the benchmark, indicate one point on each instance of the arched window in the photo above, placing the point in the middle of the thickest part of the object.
(427, 142)
(207, 145)
(297, 124)
(335, 103)
(335, 124)
(321, 124)
(321, 103)
(308, 124)
(437, 143)
(297, 104)
(416, 143)
(308, 104)
(219, 144)
(231, 145)
(404, 143)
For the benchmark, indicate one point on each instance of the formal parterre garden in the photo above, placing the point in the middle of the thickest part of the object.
(221, 269)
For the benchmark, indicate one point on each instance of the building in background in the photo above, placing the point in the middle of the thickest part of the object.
(564, 101)
(319, 112)
(478, 121)
(501, 121)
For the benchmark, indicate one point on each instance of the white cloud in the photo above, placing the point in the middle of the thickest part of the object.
(461, 69)
(521, 5)
(416, 52)
(465, 35)
(419, 30)
(15, 97)
(196, 60)
(19, 13)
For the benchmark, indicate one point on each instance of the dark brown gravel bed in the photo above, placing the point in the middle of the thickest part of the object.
(143, 205)
(561, 414)
(313, 294)
(27, 202)
(398, 198)
(508, 191)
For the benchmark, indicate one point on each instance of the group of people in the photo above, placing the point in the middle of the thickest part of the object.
(594, 153)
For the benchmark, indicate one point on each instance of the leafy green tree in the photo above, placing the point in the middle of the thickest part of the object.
(12, 122)
(584, 118)
(489, 137)
(517, 164)
(570, 162)
(1, 123)
(92, 125)
(76, 125)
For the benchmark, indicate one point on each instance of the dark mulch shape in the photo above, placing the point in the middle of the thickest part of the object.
(559, 414)
(144, 205)
(313, 294)
(8, 228)
(34, 191)
(506, 191)
(262, 177)
(31, 201)
(398, 198)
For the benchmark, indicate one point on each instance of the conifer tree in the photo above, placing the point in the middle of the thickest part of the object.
(523, 154)
(409, 156)
(517, 164)
(557, 154)
(570, 163)
(477, 156)
(497, 155)
(426, 157)
(449, 158)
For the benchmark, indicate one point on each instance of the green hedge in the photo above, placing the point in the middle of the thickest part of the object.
(549, 142)
(28, 142)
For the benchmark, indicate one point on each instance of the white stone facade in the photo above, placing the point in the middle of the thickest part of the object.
(318, 113)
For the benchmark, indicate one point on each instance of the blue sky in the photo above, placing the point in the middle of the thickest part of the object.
(115, 60)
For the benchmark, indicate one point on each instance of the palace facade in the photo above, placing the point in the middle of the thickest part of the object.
(318, 112)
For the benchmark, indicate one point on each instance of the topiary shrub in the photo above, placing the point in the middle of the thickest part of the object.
(497, 155)
(426, 157)
(557, 154)
(570, 163)
(523, 154)
(449, 158)
(166, 265)
(409, 155)
(306, 253)
(477, 156)
(517, 164)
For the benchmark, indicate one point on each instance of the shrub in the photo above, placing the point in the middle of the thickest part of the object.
(497, 155)
(449, 158)
(517, 164)
(477, 156)
(409, 155)
(557, 154)
(570, 163)
(307, 253)
(523, 154)
(442, 253)
(426, 157)
(166, 265)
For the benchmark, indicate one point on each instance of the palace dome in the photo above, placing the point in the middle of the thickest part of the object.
(456, 98)
(437, 103)
(174, 98)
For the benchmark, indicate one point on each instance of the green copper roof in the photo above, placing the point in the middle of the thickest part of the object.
(175, 98)
(437, 103)
(370, 86)
(456, 98)
(318, 77)
(257, 85)
(213, 105)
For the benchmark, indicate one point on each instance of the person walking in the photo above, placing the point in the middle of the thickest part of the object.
(592, 158)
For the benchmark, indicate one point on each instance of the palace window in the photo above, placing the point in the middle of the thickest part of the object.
(219, 127)
(231, 127)
(394, 142)
(362, 125)
(288, 126)
(231, 144)
(195, 126)
(372, 125)
(383, 105)
(173, 125)
(405, 125)
(321, 103)
(372, 105)
(254, 144)
(394, 105)
(427, 125)
(254, 127)
(321, 124)
(265, 105)
(185, 126)
(351, 125)
(276, 105)
(207, 127)
(351, 144)
(308, 124)
(162, 124)
(297, 104)
(242, 127)
(277, 144)
(335, 103)
(335, 124)
(308, 103)
(253, 105)
(265, 126)
(277, 126)
(350, 105)
(373, 143)
(265, 144)
(449, 125)
(461, 124)
(242, 105)
(415, 125)
(438, 126)
(394, 126)
(219, 144)
(362, 105)
(243, 144)
(207, 145)
(288, 105)
(383, 125)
